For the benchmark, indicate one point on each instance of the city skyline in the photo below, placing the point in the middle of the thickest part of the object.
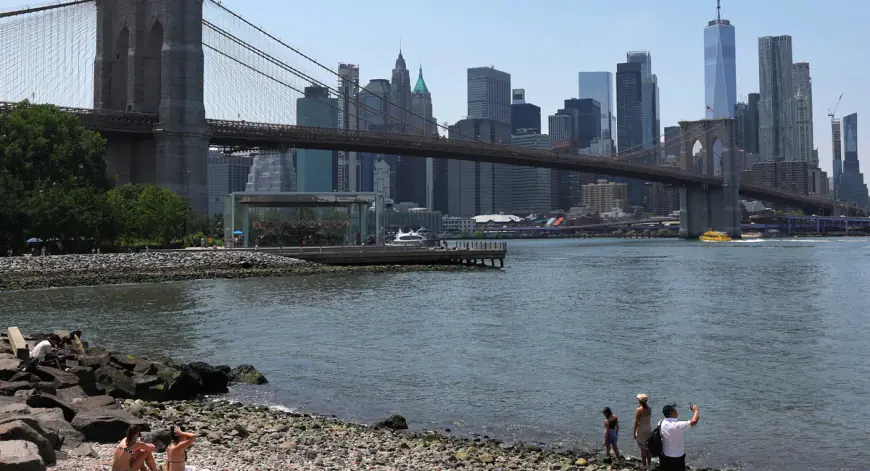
(551, 79)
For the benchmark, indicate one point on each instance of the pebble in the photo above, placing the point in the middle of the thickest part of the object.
(279, 440)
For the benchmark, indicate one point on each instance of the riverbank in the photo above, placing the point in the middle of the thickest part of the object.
(70, 419)
(232, 436)
(25, 273)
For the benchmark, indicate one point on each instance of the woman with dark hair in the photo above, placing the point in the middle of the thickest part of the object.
(611, 432)
(133, 455)
(176, 451)
(643, 428)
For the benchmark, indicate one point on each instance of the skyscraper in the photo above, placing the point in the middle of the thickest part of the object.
(348, 118)
(629, 106)
(226, 174)
(803, 95)
(524, 115)
(375, 111)
(531, 187)
(400, 88)
(651, 124)
(316, 170)
(489, 94)
(474, 188)
(423, 122)
(776, 111)
(586, 117)
(852, 187)
(720, 68)
(599, 86)
(837, 154)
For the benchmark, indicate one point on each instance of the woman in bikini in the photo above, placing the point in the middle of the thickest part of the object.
(133, 455)
(176, 452)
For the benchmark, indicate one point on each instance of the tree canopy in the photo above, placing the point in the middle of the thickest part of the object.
(53, 187)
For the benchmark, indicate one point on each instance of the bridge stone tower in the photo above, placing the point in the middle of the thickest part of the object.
(150, 60)
(705, 208)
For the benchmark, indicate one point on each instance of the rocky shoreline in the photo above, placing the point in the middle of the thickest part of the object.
(24, 273)
(70, 419)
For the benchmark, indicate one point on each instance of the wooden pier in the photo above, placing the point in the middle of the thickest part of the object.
(458, 253)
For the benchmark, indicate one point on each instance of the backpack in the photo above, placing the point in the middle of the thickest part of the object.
(654, 442)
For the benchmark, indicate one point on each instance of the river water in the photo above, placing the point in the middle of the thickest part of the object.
(770, 338)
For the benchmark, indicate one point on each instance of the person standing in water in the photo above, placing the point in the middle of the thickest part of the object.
(643, 428)
(611, 432)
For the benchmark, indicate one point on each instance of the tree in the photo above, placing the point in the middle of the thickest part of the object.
(77, 218)
(12, 212)
(42, 146)
(149, 213)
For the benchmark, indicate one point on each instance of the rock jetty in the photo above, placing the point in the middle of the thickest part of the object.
(22, 273)
(47, 412)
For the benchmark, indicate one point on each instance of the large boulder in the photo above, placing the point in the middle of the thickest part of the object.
(9, 389)
(94, 360)
(61, 379)
(182, 382)
(87, 379)
(105, 425)
(9, 368)
(214, 381)
(20, 455)
(104, 373)
(247, 374)
(393, 422)
(18, 430)
(124, 362)
(49, 422)
(50, 401)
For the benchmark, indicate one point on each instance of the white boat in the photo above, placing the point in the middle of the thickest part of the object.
(419, 238)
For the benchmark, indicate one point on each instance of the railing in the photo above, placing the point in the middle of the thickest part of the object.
(107, 121)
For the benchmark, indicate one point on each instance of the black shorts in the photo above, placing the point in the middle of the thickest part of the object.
(672, 464)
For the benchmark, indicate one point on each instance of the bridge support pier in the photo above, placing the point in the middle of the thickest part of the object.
(707, 208)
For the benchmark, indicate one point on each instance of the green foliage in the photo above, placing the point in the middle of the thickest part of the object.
(149, 213)
(42, 146)
(53, 186)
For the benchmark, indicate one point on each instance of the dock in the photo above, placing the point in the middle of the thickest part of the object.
(458, 253)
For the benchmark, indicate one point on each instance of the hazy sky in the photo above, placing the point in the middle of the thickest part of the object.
(544, 44)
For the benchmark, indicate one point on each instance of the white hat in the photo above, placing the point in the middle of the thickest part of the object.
(642, 397)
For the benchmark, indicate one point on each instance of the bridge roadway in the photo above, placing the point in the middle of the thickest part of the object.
(246, 135)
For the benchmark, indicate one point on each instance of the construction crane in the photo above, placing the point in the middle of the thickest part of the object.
(831, 113)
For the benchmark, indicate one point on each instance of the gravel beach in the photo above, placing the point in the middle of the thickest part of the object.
(22, 273)
(232, 436)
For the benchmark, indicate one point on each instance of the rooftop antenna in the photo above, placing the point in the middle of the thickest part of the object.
(718, 11)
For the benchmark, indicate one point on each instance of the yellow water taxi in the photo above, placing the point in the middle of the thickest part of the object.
(714, 236)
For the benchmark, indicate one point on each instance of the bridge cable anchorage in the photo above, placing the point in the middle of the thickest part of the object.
(644, 152)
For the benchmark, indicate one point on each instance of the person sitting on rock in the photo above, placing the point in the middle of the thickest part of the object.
(176, 451)
(133, 455)
(42, 350)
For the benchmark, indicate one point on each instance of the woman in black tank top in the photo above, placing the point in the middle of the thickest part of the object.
(611, 432)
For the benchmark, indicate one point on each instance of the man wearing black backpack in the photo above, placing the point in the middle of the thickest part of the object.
(673, 456)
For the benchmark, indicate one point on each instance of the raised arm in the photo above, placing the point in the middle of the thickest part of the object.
(185, 440)
(695, 417)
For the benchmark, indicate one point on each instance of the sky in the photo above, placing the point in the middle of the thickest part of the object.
(543, 45)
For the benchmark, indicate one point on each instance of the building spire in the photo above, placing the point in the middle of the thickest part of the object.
(718, 11)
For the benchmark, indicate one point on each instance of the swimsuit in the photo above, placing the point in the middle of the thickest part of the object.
(130, 452)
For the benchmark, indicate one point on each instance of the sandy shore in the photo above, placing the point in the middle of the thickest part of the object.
(23, 273)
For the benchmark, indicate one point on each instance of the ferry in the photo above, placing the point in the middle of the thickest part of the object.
(715, 236)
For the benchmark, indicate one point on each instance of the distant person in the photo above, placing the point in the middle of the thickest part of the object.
(133, 455)
(43, 251)
(41, 351)
(176, 452)
(673, 449)
(642, 428)
(611, 432)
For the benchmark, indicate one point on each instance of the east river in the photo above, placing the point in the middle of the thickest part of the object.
(770, 338)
